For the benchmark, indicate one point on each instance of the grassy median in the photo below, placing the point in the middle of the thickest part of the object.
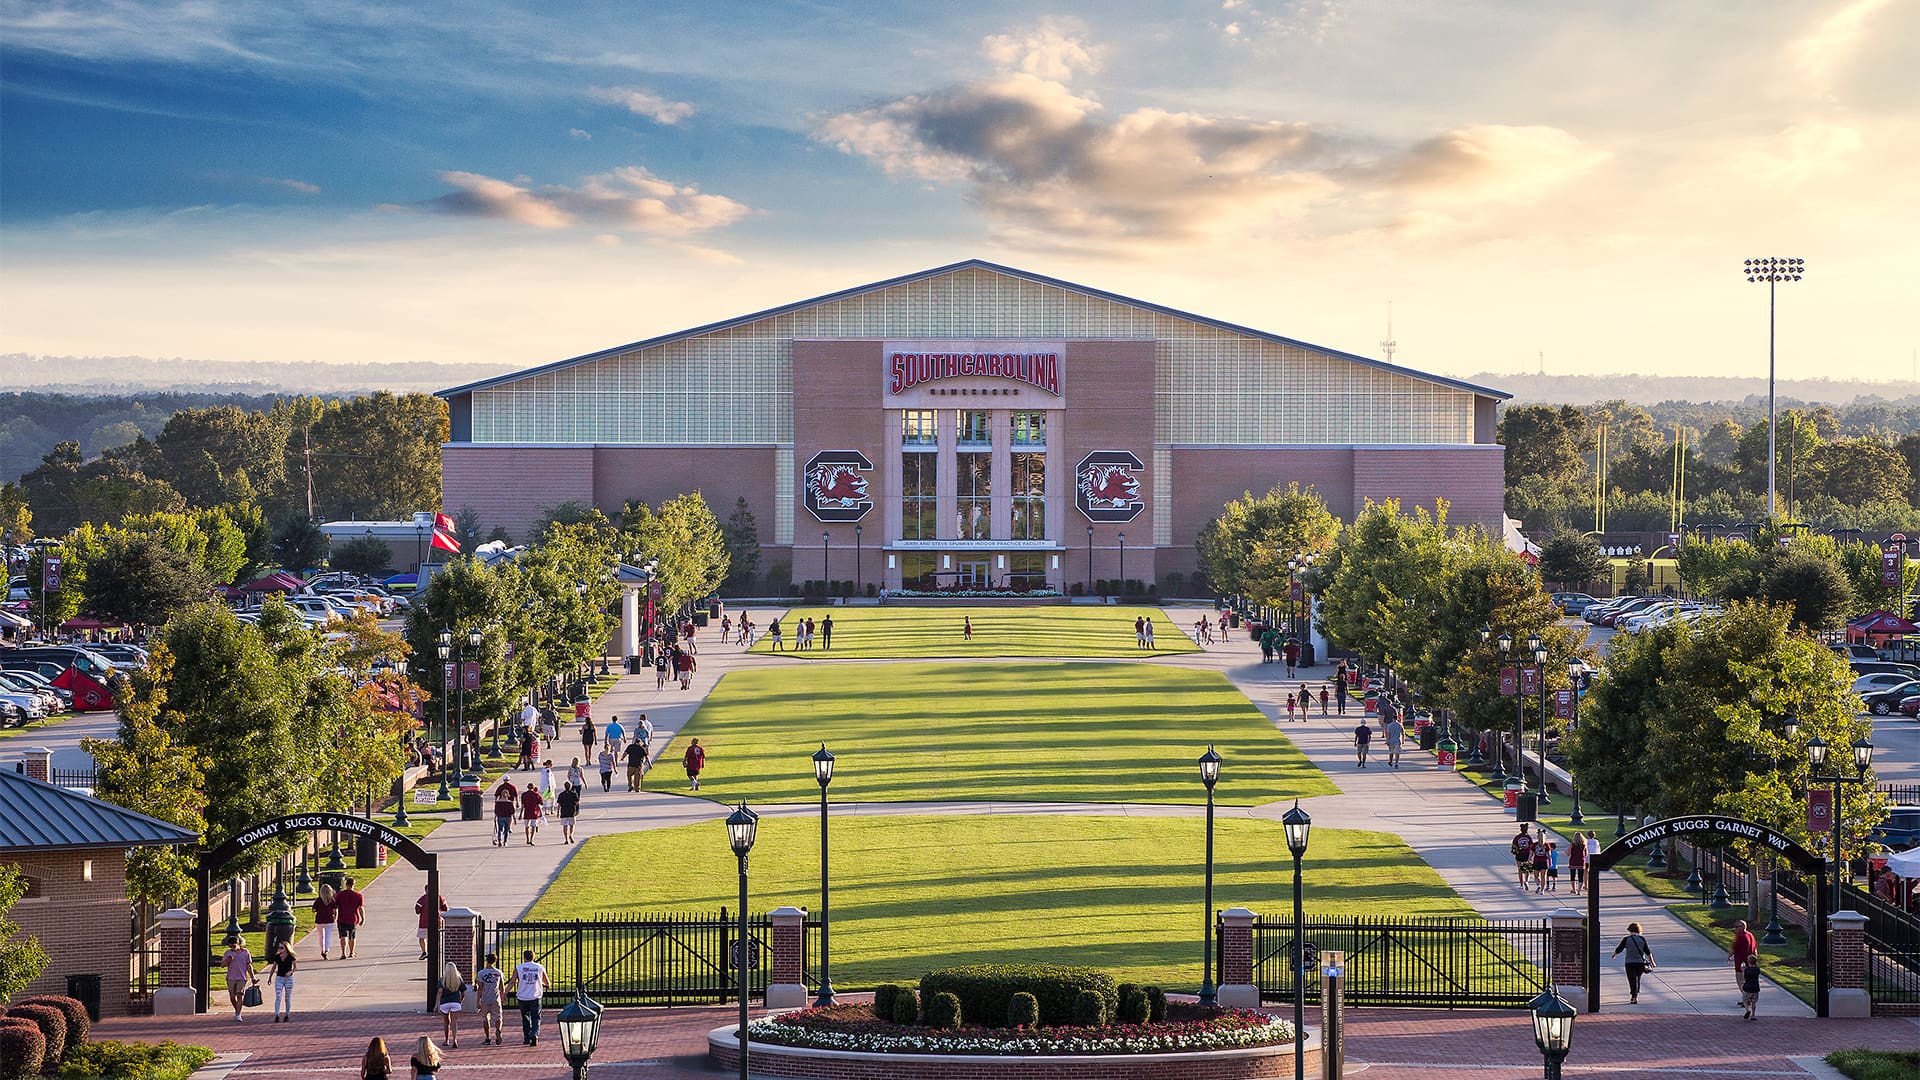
(919, 633)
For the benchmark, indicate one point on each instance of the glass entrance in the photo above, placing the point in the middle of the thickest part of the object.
(973, 573)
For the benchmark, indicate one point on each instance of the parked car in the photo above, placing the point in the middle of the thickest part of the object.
(121, 655)
(1595, 612)
(1573, 603)
(17, 682)
(1884, 667)
(1632, 607)
(1901, 829)
(1909, 705)
(1886, 700)
(1879, 680)
(1854, 651)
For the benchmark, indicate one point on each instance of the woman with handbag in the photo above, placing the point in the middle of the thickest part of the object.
(453, 988)
(1639, 959)
(282, 963)
(239, 964)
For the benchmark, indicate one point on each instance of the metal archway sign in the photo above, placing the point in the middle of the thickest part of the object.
(1727, 829)
(351, 824)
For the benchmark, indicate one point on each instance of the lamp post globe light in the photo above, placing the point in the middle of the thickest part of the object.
(1817, 753)
(1299, 826)
(1773, 271)
(1553, 1019)
(741, 825)
(1505, 644)
(1209, 775)
(579, 1032)
(823, 773)
(1574, 671)
(445, 649)
(1540, 677)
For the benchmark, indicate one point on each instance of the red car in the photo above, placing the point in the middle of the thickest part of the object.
(1910, 707)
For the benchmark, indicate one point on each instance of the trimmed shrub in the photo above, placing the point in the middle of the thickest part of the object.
(943, 1011)
(53, 1026)
(78, 1023)
(1156, 1005)
(883, 996)
(906, 1006)
(1023, 1011)
(984, 989)
(23, 1049)
(1133, 1006)
(1089, 1009)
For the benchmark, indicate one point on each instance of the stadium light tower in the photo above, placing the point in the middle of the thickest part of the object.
(1773, 271)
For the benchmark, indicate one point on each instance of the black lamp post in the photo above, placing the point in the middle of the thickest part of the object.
(474, 640)
(1122, 587)
(1862, 763)
(1774, 933)
(823, 772)
(1574, 671)
(579, 1032)
(859, 584)
(1298, 825)
(1505, 644)
(445, 649)
(1540, 676)
(1553, 1029)
(1209, 775)
(1089, 560)
(740, 829)
(1486, 635)
(825, 579)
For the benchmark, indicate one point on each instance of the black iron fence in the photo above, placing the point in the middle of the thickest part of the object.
(671, 959)
(1436, 962)
(1900, 794)
(75, 778)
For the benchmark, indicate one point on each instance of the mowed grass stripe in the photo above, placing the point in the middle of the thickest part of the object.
(909, 633)
(911, 894)
(1028, 732)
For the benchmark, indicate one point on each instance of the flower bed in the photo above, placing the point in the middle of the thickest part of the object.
(1187, 1028)
(985, 594)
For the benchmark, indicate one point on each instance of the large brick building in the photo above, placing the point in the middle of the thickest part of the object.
(970, 424)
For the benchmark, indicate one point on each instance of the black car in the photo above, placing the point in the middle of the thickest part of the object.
(1887, 702)
(1901, 830)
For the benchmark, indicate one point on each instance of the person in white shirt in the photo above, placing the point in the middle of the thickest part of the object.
(530, 983)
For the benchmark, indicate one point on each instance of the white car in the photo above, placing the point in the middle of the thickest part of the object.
(1880, 680)
(1657, 615)
(16, 683)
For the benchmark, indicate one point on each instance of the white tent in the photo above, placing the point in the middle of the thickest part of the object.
(1905, 863)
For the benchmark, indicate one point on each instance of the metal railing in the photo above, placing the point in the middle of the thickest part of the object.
(1900, 794)
(670, 959)
(1423, 961)
(74, 778)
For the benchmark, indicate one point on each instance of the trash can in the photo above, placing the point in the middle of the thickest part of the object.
(86, 990)
(1513, 795)
(636, 665)
(470, 797)
(1527, 808)
(700, 618)
(365, 852)
(1429, 737)
(1449, 752)
(1233, 619)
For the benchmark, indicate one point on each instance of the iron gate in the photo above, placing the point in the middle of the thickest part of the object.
(672, 959)
(1436, 962)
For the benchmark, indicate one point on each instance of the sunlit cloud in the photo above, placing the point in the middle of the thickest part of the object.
(577, 133)
(629, 198)
(1050, 52)
(1495, 161)
(291, 184)
(643, 103)
(1830, 45)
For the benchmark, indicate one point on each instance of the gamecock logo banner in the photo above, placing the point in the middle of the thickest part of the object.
(835, 485)
(1107, 486)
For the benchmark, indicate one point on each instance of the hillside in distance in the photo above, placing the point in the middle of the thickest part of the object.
(88, 375)
(1702, 389)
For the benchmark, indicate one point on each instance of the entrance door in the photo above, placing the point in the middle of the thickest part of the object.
(973, 574)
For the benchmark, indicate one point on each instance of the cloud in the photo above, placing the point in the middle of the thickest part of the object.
(1799, 153)
(1291, 21)
(643, 103)
(1495, 161)
(576, 133)
(291, 184)
(1824, 51)
(629, 198)
(1051, 52)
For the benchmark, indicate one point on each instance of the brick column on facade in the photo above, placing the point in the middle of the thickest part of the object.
(787, 986)
(1237, 988)
(459, 927)
(40, 764)
(1567, 945)
(176, 996)
(1847, 995)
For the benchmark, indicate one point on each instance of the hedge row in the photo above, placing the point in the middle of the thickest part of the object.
(985, 990)
(37, 1034)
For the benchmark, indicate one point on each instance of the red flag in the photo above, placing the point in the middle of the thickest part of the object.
(443, 522)
(445, 542)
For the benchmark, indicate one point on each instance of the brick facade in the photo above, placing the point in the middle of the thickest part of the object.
(788, 1061)
(1237, 988)
(1568, 945)
(1847, 960)
(459, 940)
(77, 906)
(787, 989)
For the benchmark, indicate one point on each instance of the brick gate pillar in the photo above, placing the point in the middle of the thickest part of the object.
(40, 764)
(176, 995)
(459, 931)
(1567, 944)
(1237, 988)
(1847, 959)
(787, 982)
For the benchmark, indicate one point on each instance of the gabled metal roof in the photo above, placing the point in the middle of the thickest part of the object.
(971, 264)
(36, 815)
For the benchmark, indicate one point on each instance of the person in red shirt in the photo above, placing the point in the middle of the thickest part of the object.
(1744, 948)
(350, 910)
(420, 909)
(530, 810)
(695, 760)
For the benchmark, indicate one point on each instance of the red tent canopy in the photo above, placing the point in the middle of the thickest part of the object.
(278, 581)
(1882, 624)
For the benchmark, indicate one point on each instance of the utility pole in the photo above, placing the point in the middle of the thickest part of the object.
(306, 437)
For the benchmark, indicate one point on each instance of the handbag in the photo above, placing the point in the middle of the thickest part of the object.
(252, 997)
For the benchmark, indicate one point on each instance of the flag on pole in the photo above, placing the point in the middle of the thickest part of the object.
(443, 530)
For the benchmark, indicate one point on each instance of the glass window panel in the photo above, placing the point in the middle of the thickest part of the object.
(919, 478)
(917, 428)
(1030, 429)
(973, 427)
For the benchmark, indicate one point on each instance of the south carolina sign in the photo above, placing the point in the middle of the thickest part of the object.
(834, 487)
(1106, 486)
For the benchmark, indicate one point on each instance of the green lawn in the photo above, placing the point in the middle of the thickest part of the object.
(1784, 964)
(915, 893)
(899, 632)
(1070, 732)
(1876, 1064)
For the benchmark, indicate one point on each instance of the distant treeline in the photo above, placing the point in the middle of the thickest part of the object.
(1650, 390)
(32, 423)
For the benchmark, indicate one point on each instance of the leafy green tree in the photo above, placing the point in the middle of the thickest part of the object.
(566, 512)
(75, 553)
(21, 958)
(366, 556)
(743, 548)
(573, 597)
(1573, 559)
(1378, 582)
(16, 516)
(298, 544)
(1543, 442)
(471, 594)
(1813, 586)
(209, 539)
(1607, 752)
(684, 535)
(1855, 471)
(379, 456)
(466, 530)
(1245, 550)
(143, 769)
(1860, 561)
(139, 581)
(223, 453)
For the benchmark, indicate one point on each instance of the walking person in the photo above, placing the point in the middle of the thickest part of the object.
(532, 809)
(1396, 733)
(1139, 632)
(1553, 866)
(1289, 708)
(695, 760)
(1149, 627)
(577, 777)
(1340, 695)
(606, 769)
(1362, 738)
(488, 982)
(421, 908)
(239, 964)
(427, 1060)
(1639, 959)
(1750, 988)
(351, 912)
(325, 910)
(636, 764)
(1324, 696)
(1522, 848)
(529, 746)
(569, 800)
(376, 1063)
(1291, 650)
(684, 664)
(966, 628)
(453, 987)
(505, 801)
(616, 733)
(1542, 848)
(529, 983)
(1744, 951)
(586, 735)
(661, 662)
(282, 964)
(1577, 864)
(773, 632)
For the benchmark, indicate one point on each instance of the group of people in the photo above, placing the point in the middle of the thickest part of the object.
(1143, 632)
(1275, 644)
(528, 981)
(341, 910)
(1536, 859)
(531, 805)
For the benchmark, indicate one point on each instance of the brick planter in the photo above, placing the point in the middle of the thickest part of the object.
(796, 1061)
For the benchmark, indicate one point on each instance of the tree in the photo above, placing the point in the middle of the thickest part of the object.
(1607, 752)
(1245, 550)
(298, 544)
(1543, 442)
(378, 456)
(1855, 471)
(21, 958)
(137, 580)
(1909, 448)
(684, 535)
(1813, 586)
(471, 594)
(1380, 579)
(743, 547)
(366, 556)
(566, 512)
(1569, 559)
(75, 553)
(214, 455)
(1861, 563)
(145, 770)
(16, 516)
(209, 539)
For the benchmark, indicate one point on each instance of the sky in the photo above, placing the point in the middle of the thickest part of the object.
(1523, 184)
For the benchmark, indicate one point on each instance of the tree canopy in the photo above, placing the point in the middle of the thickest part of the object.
(1244, 551)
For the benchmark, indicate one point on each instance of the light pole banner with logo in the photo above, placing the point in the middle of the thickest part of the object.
(50, 574)
(1819, 810)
